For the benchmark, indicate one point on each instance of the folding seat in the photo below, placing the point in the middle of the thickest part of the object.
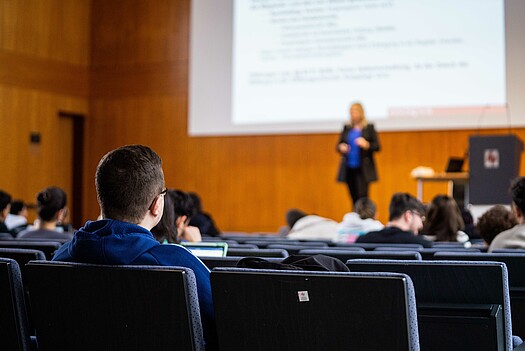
(373, 246)
(14, 329)
(79, 306)
(303, 310)
(515, 263)
(258, 252)
(47, 247)
(345, 255)
(230, 261)
(462, 305)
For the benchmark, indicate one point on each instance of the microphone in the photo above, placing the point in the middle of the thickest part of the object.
(509, 124)
(481, 115)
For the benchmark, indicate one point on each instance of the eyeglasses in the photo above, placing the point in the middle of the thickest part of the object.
(162, 193)
(418, 214)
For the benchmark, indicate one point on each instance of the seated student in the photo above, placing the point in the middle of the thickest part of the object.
(310, 227)
(470, 227)
(513, 238)
(5, 206)
(405, 222)
(51, 203)
(201, 219)
(184, 211)
(16, 220)
(496, 220)
(166, 231)
(360, 222)
(444, 221)
(130, 190)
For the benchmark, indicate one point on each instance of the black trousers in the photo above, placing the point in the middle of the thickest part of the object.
(357, 184)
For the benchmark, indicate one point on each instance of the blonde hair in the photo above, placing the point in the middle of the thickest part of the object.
(359, 106)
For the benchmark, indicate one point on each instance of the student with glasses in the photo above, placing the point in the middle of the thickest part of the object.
(405, 221)
(130, 191)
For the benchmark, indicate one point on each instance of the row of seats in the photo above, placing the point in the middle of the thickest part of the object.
(381, 304)
(441, 294)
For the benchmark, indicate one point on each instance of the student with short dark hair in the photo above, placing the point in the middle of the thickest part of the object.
(184, 212)
(5, 206)
(52, 210)
(130, 189)
(513, 238)
(406, 216)
(16, 220)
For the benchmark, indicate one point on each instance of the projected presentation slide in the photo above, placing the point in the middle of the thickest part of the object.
(304, 60)
(295, 66)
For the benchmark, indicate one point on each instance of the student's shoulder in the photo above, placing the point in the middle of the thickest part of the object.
(170, 249)
(174, 255)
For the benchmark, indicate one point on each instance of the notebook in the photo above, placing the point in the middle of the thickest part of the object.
(207, 249)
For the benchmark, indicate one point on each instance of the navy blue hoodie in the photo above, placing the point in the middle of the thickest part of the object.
(114, 242)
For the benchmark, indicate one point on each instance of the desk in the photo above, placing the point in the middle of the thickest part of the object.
(451, 178)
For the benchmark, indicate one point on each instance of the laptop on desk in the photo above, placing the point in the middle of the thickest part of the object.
(207, 249)
(454, 165)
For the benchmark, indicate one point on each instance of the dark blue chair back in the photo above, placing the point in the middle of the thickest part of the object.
(78, 306)
(454, 296)
(258, 253)
(515, 263)
(14, 328)
(307, 311)
(230, 261)
(47, 247)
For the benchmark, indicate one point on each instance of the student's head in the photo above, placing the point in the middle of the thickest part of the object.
(183, 208)
(517, 191)
(407, 211)
(197, 204)
(293, 215)
(496, 220)
(357, 113)
(166, 229)
(18, 207)
(51, 203)
(443, 219)
(5, 205)
(365, 208)
(130, 185)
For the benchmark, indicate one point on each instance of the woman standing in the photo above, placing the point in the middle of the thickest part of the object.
(357, 144)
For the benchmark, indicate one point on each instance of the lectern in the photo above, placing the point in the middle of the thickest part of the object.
(494, 161)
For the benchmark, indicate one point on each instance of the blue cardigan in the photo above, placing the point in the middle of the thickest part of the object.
(114, 242)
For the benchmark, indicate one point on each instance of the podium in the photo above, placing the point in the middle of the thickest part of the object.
(494, 161)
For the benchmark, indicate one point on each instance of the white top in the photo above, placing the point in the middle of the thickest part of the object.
(513, 238)
(314, 227)
(13, 221)
(461, 237)
(353, 225)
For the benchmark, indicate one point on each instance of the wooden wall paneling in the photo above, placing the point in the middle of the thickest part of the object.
(42, 74)
(146, 32)
(28, 168)
(57, 30)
